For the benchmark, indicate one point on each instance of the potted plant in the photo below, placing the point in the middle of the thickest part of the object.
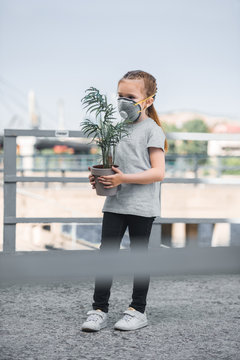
(106, 134)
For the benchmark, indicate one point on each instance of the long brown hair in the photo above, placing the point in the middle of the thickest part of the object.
(150, 86)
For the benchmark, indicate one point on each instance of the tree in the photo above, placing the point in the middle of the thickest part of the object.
(192, 146)
(172, 144)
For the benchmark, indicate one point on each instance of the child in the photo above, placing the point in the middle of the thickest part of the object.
(141, 161)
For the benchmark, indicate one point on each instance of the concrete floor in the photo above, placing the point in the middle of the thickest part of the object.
(190, 318)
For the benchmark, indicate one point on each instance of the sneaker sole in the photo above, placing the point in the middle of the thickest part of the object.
(86, 329)
(139, 327)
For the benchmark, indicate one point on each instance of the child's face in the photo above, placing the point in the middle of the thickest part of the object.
(134, 89)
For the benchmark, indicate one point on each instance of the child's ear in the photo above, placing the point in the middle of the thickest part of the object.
(149, 102)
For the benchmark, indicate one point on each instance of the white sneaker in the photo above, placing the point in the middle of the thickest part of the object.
(96, 320)
(132, 320)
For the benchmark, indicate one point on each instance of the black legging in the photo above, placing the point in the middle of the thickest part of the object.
(113, 228)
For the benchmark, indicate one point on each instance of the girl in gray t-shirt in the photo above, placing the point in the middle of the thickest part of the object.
(141, 160)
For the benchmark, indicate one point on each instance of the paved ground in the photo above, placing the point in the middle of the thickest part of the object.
(190, 318)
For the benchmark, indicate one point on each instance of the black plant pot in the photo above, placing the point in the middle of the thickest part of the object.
(98, 170)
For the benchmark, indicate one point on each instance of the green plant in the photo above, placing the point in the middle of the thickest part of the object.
(172, 144)
(190, 146)
(230, 165)
(104, 132)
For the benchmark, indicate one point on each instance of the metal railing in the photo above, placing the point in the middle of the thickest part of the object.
(11, 179)
(175, 163)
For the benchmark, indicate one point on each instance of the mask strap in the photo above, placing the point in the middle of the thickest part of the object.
(144, 99)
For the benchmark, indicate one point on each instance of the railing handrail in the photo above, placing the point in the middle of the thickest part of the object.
(196, 136)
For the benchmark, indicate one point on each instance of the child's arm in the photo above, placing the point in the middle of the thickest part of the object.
(156, 173)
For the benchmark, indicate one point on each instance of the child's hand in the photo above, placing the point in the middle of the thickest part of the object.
(91, 179)
(112, 180)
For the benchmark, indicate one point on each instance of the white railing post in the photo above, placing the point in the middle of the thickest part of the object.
(9, 230)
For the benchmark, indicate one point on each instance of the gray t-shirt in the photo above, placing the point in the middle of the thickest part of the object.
(132, 156)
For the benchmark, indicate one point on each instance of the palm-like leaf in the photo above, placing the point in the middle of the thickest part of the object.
(105, 134)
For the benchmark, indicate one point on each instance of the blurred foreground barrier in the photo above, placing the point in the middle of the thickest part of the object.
(71, 265)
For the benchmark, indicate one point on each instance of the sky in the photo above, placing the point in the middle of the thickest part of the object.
(59, 48)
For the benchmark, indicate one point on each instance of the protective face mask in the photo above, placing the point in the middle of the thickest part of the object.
(130, 109)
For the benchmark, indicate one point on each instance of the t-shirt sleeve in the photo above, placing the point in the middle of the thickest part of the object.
(156, 137)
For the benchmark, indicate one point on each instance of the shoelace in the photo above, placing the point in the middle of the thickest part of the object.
(93, 317)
